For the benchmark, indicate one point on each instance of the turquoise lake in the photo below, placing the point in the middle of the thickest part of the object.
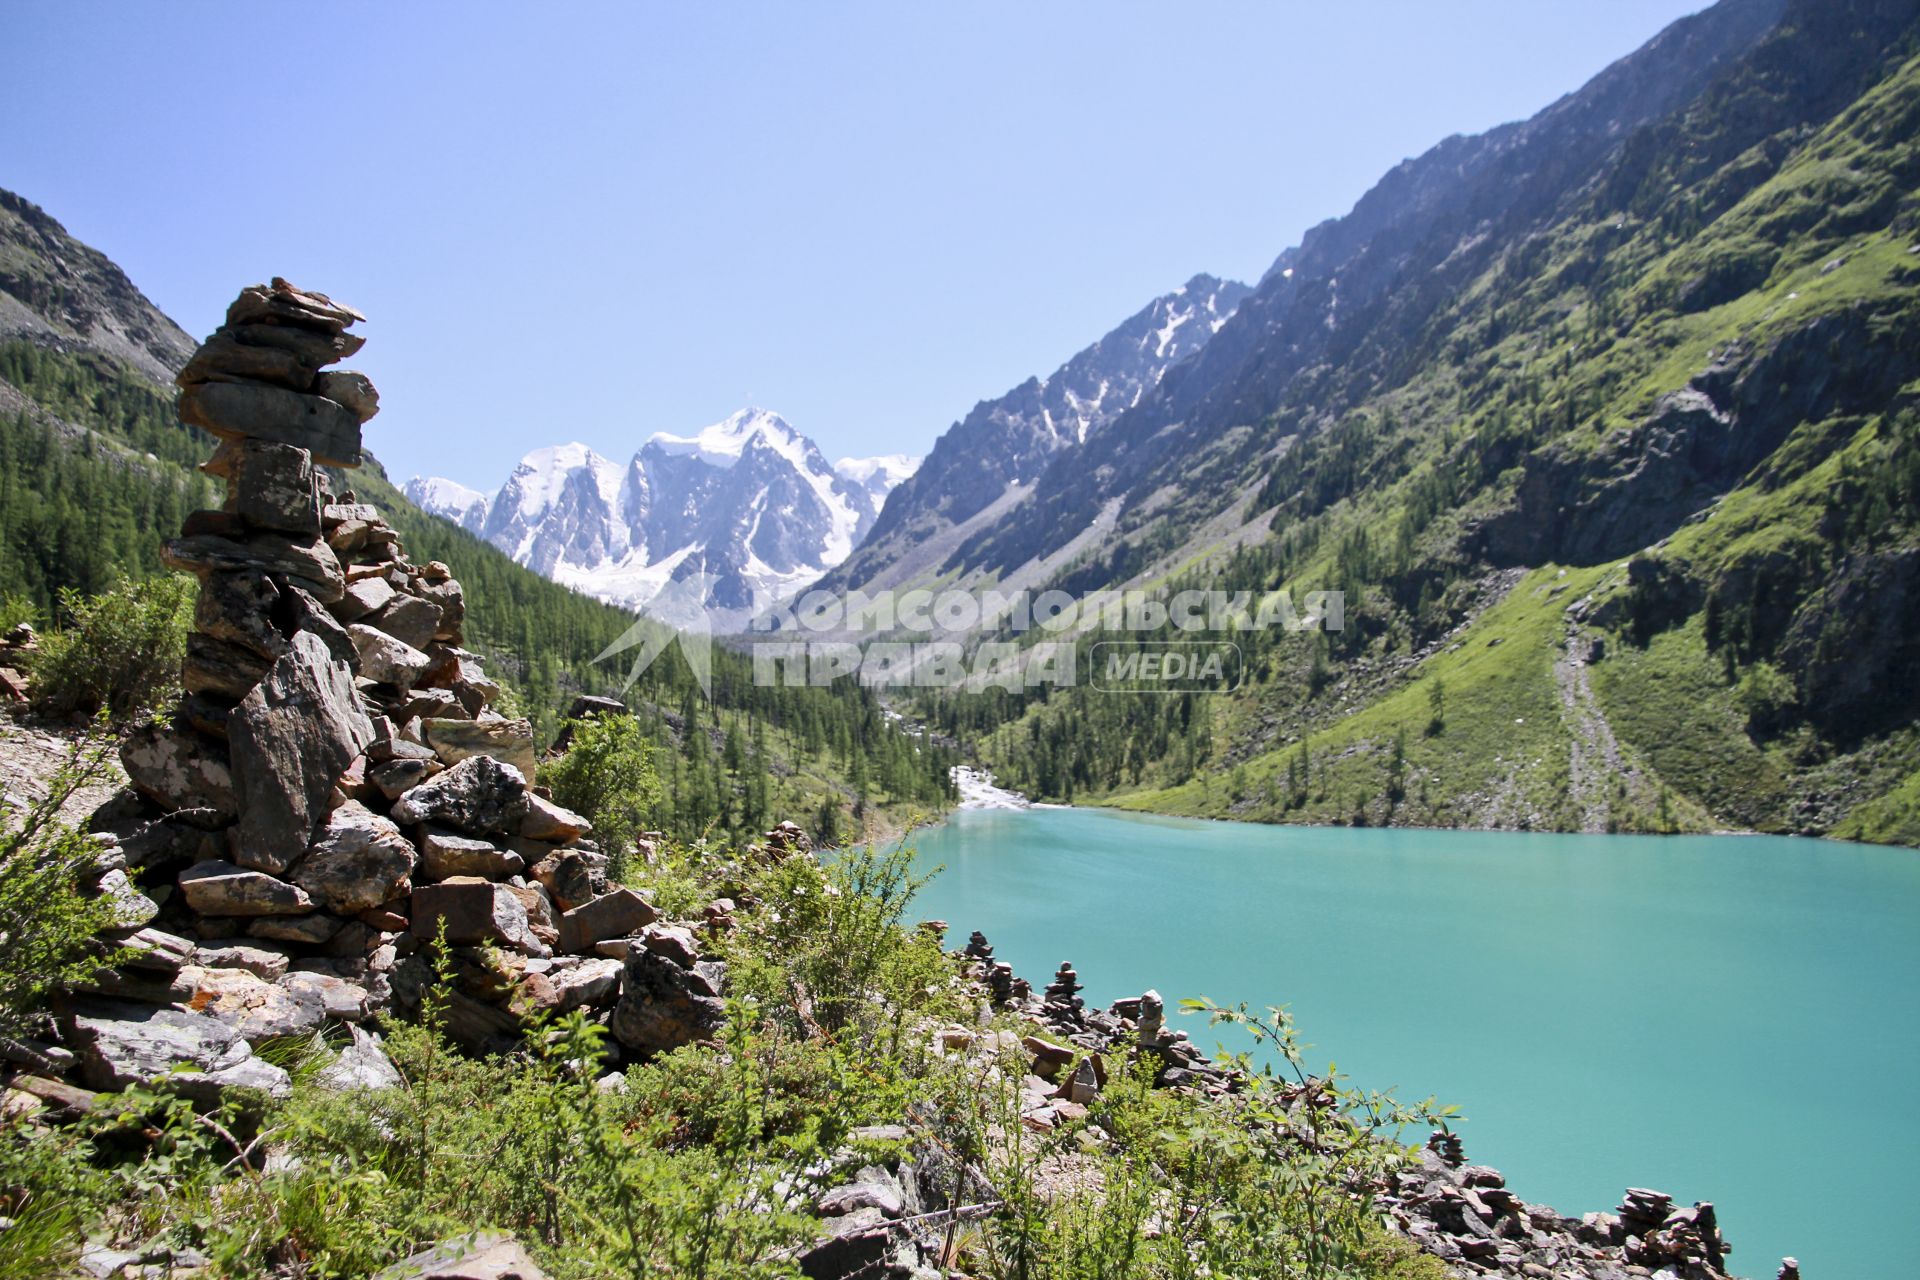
(1724, 1018)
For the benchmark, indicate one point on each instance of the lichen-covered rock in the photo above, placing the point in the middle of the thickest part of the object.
(359, 861)
(290, 739)
(121, 1044)
(178, 769)
(479, 796)
(272, 486)
(237, 607)
(254, 1007)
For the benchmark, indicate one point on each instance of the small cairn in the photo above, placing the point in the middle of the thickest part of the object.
(1062, 996)
(17, 648)
(335, 789)
(1446, 1145)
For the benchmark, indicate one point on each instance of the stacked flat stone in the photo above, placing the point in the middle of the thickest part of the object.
(335, 789)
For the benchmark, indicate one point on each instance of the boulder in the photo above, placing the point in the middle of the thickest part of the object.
(550, 822)
(290, 739)
(121, 1044)
(299, 611)
(479, 796)
(219, 888)
(260, 411)
(446, 593)
(238, 609)
(387, 659)
(478, 1255)
(131, 908)
(359, 861)
(675, 942)
(589, 982)
(872, 1188)
(254, 1007)
(311, 561)
(474, 912)
(339, 998)
(569, 875)
(217, 669)
(337, 513)
(361, 1063)
(309, 931)
(662, 1005)
(156, 951)
(272, 486)
(444, 854)
(223, 357)
(269, 962)
(279, 302)
(541, 913)
(351, 391)
(508, 741)
(396, 777)
(313, 350)
(619, 914)
(410, 620)
(178, 769)
(363, 597)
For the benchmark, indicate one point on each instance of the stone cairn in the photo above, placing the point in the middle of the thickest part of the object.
(336, 791)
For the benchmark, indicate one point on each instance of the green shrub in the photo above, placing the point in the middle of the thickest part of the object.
(608, 776)
(119, 652)
(48, 926)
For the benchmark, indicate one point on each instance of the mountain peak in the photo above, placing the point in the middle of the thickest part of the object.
(723, 443)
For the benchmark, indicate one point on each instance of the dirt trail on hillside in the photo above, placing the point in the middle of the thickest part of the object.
(1595, 761)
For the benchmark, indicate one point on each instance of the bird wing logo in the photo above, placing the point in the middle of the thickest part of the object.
(677, 613)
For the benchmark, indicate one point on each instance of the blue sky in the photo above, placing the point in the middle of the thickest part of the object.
(594, 222)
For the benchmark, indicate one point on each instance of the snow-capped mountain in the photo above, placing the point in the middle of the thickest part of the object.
(750, 501)
(451, 500)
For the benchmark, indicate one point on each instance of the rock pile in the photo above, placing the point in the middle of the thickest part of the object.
(1464, 1215)
(336, 789)
(17, 648)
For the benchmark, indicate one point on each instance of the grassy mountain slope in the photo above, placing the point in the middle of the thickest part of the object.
(96, 470)
(1635, 485)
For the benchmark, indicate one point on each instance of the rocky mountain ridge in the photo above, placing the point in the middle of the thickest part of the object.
(58, 292)
(988, 461)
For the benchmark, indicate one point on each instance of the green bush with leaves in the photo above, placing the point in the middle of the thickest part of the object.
(49, 926)
(608, 776)
(118, 653)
